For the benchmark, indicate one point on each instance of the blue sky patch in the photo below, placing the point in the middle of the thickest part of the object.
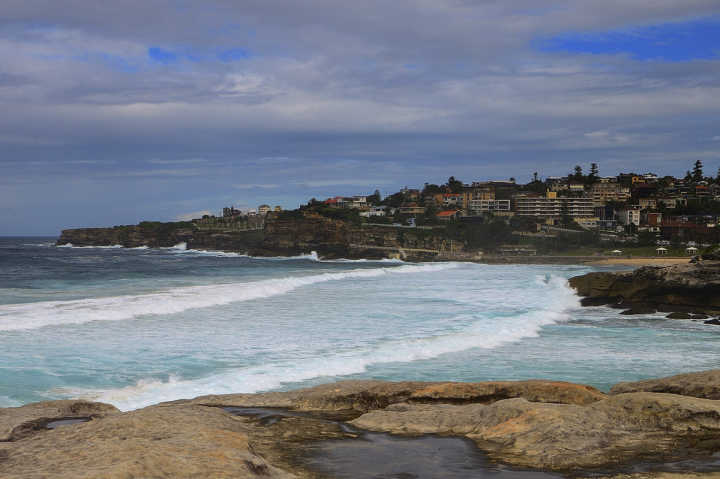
(234, 54)
(161, 55)
(698, 39)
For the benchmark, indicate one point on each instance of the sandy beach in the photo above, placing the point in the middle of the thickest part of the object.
(640, 261)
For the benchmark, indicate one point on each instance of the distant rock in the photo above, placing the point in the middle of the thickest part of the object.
(715, 321)
(679, 316)
(689, 288)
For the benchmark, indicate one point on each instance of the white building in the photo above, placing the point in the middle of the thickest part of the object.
(628, 216)
(479, 207)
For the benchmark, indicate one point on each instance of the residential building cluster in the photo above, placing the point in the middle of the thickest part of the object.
(626, 204)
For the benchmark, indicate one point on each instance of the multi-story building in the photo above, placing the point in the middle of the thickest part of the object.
(479, 207)
(550, 206)
(453, 199)
(374, 211)
(629, 215)
(264, 209)
(605, 191)
(647, 203)
(411, 209)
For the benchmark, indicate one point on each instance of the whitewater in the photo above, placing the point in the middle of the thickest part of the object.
(134, 327)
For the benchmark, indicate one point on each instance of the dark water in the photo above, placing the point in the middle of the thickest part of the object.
(372, 455)
(382, 456)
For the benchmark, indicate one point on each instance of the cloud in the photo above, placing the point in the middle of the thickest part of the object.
(184, 161)
(263, 98)
(343, 182)
(252, 186)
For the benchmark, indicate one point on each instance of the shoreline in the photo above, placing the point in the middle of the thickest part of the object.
(463, 258)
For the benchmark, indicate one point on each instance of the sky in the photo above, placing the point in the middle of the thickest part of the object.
(117, 112)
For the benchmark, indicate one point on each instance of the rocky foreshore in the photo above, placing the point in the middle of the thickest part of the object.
(558, 427)
(686, 291)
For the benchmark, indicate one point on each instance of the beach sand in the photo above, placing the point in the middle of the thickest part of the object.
(640, 261)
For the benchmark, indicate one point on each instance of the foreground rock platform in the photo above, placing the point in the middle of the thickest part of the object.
(543, 425)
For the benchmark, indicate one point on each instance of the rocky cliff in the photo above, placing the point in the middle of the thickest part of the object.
(542, 425)
(690, 288)
(283, 235)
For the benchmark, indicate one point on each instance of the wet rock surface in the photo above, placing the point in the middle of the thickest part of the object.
(341, 430)
(692, 288)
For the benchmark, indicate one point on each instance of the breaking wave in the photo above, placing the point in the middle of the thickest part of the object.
(482, 332)
(55, 313)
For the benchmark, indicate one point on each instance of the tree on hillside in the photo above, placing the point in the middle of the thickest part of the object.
(455, 186)
(688, 177)
(375, 198)
(577, 175)
(394, 200)
(535, 177)
(697, 172)
(431, 189)
(594, 175)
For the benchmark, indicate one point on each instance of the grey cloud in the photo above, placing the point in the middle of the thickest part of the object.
(334, 95)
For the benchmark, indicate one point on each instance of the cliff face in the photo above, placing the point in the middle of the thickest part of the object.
(692, 287)
(282, 236)
(339, 239)
(162, 235)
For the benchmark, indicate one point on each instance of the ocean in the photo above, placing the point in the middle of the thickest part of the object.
(133, 327)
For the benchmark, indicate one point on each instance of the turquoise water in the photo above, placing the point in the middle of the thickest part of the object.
(137, 326)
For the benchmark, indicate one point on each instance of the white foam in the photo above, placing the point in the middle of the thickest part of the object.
(55, 313)
(312, 256)
(70, 245)
(482, 333)
(8, 402)
(382, 260)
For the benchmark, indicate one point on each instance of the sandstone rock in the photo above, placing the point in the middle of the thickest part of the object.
(173, 442)
(704, 384)
(363, 396)
(19, 422)
(538, 424)
(566, 436)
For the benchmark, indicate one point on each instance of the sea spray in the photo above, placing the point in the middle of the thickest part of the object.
(482, 332)
(115, 308)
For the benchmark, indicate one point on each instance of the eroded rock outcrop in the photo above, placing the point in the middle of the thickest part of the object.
(566, 436)
(178, 442)
(537, 424)
(692, 287)
(362, 396)
(704, 384)
(19, 422)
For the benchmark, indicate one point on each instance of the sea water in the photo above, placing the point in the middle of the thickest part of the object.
(133, 327)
